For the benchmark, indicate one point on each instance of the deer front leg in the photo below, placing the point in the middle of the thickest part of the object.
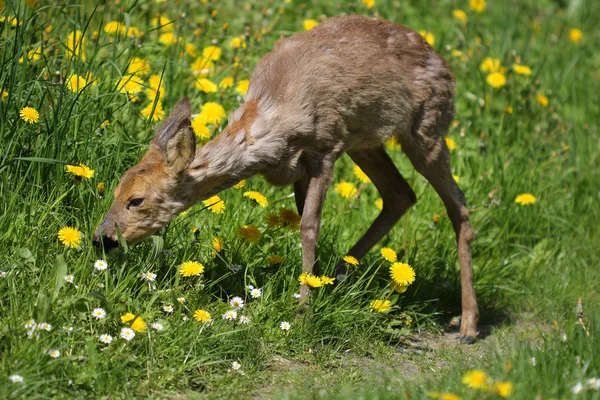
(310, 225)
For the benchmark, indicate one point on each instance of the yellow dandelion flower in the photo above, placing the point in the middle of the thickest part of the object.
(477, 5)
(402, 273)
(476, 379)
(130, 84)
(237, 42)
(75, 42)
(522, 69)
(80, 170)
(217, 244)
(127, 317)
(215, 204)
(206, 85)
(275, 259)
(360, 175)
(543, 100)
(503, 389)
(351, 260)
(202, 66)
(575, 35)
(490, 64)
(191, 50)
(398, 288)
(389, 254)
(29, 115)
(226, 82)
(163, 23)
(138, 66)
(525, 199)
(508, 110)
(258, 198)
(443, 396)
(200, 129)
(242, 87)
(428, 36)
(380, 306)
(212, 113)
(309, 24)
(460, 15)
(496, 80)
(202, 316)
(450, 143)
(156, 113)
(167, 38)
(392, 144)
(379, 204)
(212, 53)
(4, 94)
(69, 236)
(240, 184)
(191, 268)
(369, 3)
(310, 280)
(289, 218)
(327, 280)
(138, 325)
(100, 187)
(346, 189)
(75, 83)
(250, 233)
(114, 27)
(456, 178)
(104, 124)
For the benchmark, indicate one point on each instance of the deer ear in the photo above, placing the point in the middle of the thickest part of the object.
(175, 138)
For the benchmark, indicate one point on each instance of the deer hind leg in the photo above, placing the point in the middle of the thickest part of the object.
(395, 192)
(311, 193)
(429, 154)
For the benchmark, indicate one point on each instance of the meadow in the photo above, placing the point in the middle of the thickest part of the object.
(208, 307)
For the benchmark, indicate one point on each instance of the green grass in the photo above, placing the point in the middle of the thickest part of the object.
(531, 262)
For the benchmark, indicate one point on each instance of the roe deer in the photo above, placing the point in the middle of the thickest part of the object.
(347, 85)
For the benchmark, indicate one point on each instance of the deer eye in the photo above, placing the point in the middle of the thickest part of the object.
(135, 202)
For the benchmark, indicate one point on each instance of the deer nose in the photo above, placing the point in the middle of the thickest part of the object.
(105, 242)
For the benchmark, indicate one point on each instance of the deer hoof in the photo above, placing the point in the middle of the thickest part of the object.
(467, 339)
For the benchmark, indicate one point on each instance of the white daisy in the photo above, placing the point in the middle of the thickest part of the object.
(185, 318)
(168, 309)
(100, 265)
(237, 302)
(30, 324)
(249, 287)
(578, 388)
(15, 378)
(533, 361)
(158, 326)
(99, 313)
(230, 315)
(236, 267)
(256, 293)
(101, 285)
(127, 333)
(69, 278)
(593, 383)
(181, 299)
(2, 274)
(54, 353)
(244, 319)
(67, 328)
(296, 295)
(236, 365)
(45, 326)
(149, 276)
(105, 338)
(285, 326)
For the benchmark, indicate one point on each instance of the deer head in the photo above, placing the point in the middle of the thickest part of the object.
(149, 194)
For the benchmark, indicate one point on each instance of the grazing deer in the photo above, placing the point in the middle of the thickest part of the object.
(346, 86)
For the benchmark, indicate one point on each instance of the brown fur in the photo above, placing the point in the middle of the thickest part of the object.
(346, 86)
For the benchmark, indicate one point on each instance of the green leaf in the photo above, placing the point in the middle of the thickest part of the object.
(26, 255)
(60, 270)
(157, 245)
(43, 306)
(121, 239)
